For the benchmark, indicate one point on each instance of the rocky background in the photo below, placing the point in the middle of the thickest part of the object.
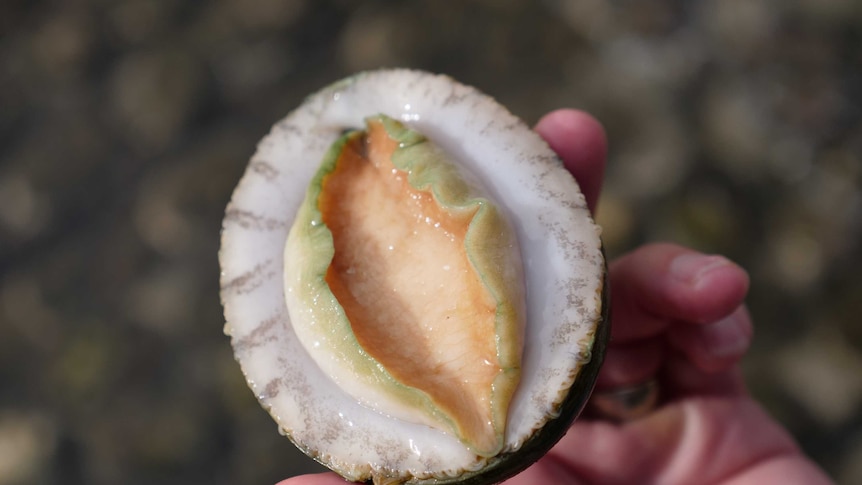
(735, 126)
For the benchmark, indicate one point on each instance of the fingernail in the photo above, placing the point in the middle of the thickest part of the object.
(690, 268)
(728, 337)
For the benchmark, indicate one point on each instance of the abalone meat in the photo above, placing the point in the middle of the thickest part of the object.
(413, 285)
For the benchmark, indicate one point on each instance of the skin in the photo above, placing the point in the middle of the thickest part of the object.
(679, 317)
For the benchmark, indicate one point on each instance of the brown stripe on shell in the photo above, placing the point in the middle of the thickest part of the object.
(261, 334)
(252, 221)
(271, 390)
(250, 280)
(264, 169)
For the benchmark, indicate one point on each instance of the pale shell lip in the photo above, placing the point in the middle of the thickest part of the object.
(564, 269)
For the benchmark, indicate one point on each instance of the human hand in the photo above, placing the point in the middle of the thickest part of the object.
(677, 318)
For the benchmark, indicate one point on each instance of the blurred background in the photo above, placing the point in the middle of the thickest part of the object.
(735, 126)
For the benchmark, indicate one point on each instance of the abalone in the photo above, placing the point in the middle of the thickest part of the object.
(412, 282)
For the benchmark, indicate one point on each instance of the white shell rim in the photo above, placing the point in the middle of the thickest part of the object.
(562, 254)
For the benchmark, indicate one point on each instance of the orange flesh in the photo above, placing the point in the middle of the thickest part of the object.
(402, 275)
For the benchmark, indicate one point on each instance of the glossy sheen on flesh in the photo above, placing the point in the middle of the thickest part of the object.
(563, 265)
(402, 274)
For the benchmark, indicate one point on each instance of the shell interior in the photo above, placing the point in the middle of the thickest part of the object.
(560, 248)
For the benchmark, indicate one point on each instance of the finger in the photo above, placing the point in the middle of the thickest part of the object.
(318, 479)
(630, 364)
(680, 378)
(703, 440)
(715, 346)
(600, 452)
(581, 142)
(662, 283)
